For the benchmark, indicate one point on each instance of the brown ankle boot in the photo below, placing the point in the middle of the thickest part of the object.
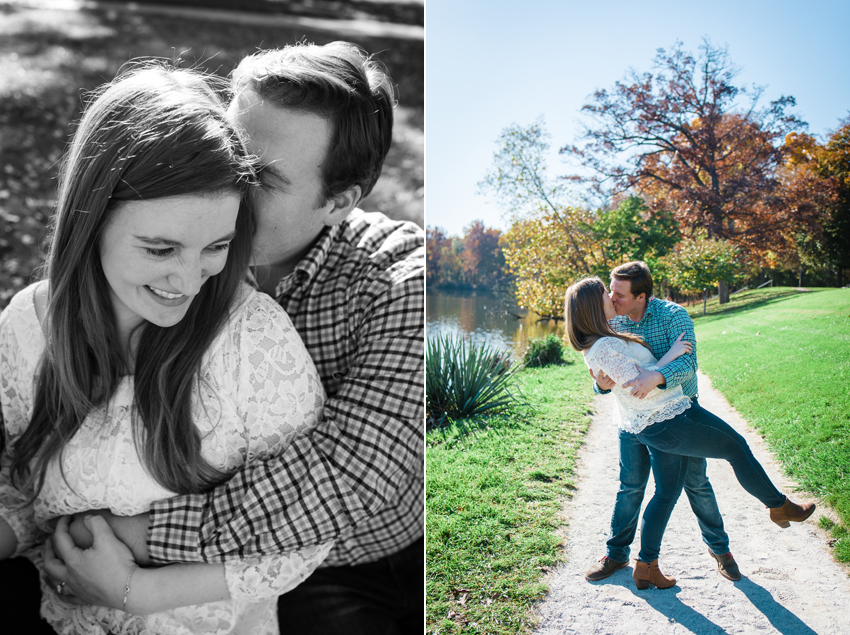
(791, 511)
(646, 574)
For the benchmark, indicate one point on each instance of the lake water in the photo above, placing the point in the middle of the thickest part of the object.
(485, 317)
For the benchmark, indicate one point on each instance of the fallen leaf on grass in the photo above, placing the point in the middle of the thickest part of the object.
(457, 617)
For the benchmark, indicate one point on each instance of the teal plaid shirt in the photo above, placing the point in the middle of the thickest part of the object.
(662, 323)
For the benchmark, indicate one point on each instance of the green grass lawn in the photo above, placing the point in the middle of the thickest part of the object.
(782, 358)
(50, 58)
(494, 494)
(495, 489)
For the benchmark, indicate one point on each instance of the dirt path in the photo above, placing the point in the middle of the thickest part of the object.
(791, 584)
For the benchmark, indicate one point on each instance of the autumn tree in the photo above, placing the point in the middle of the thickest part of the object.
(540, 251)
(833, 168)
(443, 266)
(435, 241)
(482, 259)
(819, 178)
(695, 144)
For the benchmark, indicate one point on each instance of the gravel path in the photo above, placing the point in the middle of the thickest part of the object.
(791, 584)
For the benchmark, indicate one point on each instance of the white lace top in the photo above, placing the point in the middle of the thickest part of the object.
(620, 360)
(259, 389)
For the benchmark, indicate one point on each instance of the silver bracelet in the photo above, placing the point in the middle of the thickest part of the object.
(127, 586)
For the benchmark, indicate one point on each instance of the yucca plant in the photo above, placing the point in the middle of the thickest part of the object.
(464, 380)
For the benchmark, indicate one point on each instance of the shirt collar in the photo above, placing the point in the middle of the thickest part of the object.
(647, 313)
(310, 265)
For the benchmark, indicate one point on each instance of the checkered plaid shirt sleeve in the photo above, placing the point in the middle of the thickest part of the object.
(358, 478)
(667, 322)
(682, 370)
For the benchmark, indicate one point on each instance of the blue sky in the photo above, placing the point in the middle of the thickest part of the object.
(490, 63)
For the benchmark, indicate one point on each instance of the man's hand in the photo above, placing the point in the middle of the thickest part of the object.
(645, 383)
(131, 530)
(602, 380)
(92, 576)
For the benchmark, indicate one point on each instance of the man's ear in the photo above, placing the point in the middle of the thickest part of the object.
(642, 296)
(340, 206)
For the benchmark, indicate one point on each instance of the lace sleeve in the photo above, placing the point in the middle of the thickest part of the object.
(610, 355)
(261, 577)
(15, 393)
(279, 392)
(280, 395)
(21, 520)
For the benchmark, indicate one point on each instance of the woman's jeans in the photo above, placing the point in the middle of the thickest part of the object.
(697, 432)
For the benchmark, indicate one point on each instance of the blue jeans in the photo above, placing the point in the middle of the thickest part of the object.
(698, 433)
(634, 475)
(669, 471)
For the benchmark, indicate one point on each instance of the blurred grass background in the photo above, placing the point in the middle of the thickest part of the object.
(50, 57)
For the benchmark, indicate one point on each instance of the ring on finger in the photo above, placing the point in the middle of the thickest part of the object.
(60, 588)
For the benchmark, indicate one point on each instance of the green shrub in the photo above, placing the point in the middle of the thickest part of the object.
(544, 351)
(464, 380)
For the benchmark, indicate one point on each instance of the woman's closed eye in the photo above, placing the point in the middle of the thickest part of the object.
(219, 247)
(159, 253)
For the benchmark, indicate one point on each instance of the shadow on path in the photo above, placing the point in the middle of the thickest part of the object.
(780, 618)
(667, 603)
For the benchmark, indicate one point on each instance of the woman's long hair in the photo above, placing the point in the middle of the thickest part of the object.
(585, 316)
(153, 132)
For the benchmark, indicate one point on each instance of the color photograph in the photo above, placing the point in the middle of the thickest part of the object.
(637, 317)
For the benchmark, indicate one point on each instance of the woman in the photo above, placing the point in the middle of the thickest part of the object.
(665, 420)
(143, 366)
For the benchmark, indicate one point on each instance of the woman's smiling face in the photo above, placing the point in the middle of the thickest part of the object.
(156, 255)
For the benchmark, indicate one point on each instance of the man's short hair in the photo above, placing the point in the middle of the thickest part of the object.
(341, 83)
(638, 273)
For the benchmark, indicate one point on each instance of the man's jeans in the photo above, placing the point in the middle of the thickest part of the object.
(385, 597)
(634, 475)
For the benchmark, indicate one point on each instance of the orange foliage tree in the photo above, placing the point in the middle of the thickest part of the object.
(817, 182)
(482, 259)
(696, 145)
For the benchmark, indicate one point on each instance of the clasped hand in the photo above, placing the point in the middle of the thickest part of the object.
(640, 386)
(88, 563)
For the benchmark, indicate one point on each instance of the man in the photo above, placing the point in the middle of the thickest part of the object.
(659, 323)
(319, 119)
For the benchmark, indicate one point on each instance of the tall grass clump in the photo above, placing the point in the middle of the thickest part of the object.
(544, 351)
(465, 380)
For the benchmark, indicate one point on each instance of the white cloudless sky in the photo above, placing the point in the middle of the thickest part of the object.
(491, 63)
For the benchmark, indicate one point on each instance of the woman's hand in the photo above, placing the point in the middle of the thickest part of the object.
(602, 380)
(89, 576)
(678, 349)
(131, 530)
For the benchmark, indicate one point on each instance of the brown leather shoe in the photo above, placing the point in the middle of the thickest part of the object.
(791, 512)
(603, 569)
(727, 566)
(646, 574)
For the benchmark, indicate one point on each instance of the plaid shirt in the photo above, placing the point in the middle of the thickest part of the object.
(357, 300)
(660, 325)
